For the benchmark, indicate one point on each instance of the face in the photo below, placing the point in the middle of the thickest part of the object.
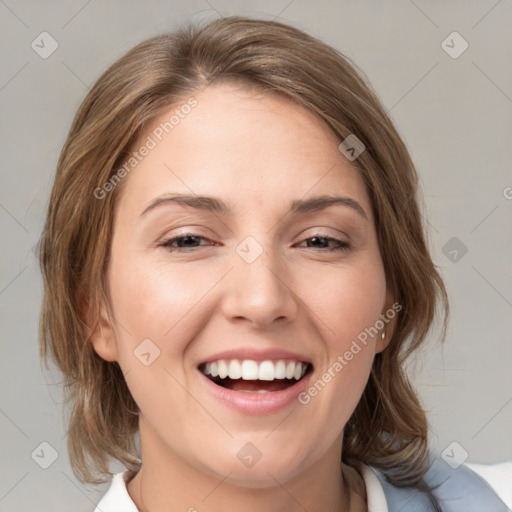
(272, 279)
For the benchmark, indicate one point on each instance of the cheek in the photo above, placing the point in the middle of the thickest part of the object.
(350, 301)
(157, 301)
(158, 312)
(349, 307)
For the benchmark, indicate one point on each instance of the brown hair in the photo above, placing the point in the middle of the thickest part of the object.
(388, 428)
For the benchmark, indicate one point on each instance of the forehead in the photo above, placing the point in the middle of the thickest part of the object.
(252, 148)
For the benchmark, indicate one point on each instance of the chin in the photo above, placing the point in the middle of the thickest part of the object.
(262, 478)
(261, 474)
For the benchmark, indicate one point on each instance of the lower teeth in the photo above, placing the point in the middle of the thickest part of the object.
(249, 391)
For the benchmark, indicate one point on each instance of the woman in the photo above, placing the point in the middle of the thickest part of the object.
(235, 271)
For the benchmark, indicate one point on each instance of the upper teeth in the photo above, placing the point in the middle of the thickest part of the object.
(255, 370)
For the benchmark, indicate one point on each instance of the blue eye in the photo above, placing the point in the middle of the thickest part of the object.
(187, 243)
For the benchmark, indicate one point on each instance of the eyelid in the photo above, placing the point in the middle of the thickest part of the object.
(342, 245)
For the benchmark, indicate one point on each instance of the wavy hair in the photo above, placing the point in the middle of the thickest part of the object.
(388, 428)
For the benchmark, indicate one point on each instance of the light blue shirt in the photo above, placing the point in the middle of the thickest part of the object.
(458, 489)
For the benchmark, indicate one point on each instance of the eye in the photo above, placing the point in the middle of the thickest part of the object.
(184, 242)
(188, 243)
(341, 244)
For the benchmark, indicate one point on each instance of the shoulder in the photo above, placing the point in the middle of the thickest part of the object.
(498, 476)
(467, 487)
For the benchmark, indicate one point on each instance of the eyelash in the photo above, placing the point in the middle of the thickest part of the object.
(343, 246)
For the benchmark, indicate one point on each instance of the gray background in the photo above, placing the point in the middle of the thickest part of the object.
(455, 115)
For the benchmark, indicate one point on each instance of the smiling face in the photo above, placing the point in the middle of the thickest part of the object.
(256, 278)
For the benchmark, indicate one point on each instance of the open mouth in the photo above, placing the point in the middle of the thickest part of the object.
(256, 376)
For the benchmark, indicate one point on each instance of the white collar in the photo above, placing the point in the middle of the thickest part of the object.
(117, 498)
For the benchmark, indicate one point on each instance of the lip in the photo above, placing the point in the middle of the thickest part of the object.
(257, 354)
(256, 404)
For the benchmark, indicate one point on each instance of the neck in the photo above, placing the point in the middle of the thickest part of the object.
(167, 482)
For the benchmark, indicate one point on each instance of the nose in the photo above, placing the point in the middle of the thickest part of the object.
(260, 291)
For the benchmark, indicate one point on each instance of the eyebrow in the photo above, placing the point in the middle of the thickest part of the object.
(216, 205)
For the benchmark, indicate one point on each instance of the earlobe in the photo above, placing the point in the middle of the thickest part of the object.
(103, 340)
(383, 339)
(102, 335)
(388, 319)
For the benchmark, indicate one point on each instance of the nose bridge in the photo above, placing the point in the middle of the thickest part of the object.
(260, 288)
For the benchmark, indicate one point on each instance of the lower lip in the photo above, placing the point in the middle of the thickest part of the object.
(256, 404)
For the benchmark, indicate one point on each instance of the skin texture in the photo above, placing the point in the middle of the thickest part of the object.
(257, 152)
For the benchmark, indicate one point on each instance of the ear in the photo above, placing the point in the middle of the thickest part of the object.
(388, 316)
(102, 333)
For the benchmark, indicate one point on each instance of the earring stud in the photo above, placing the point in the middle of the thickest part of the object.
(383, 334)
